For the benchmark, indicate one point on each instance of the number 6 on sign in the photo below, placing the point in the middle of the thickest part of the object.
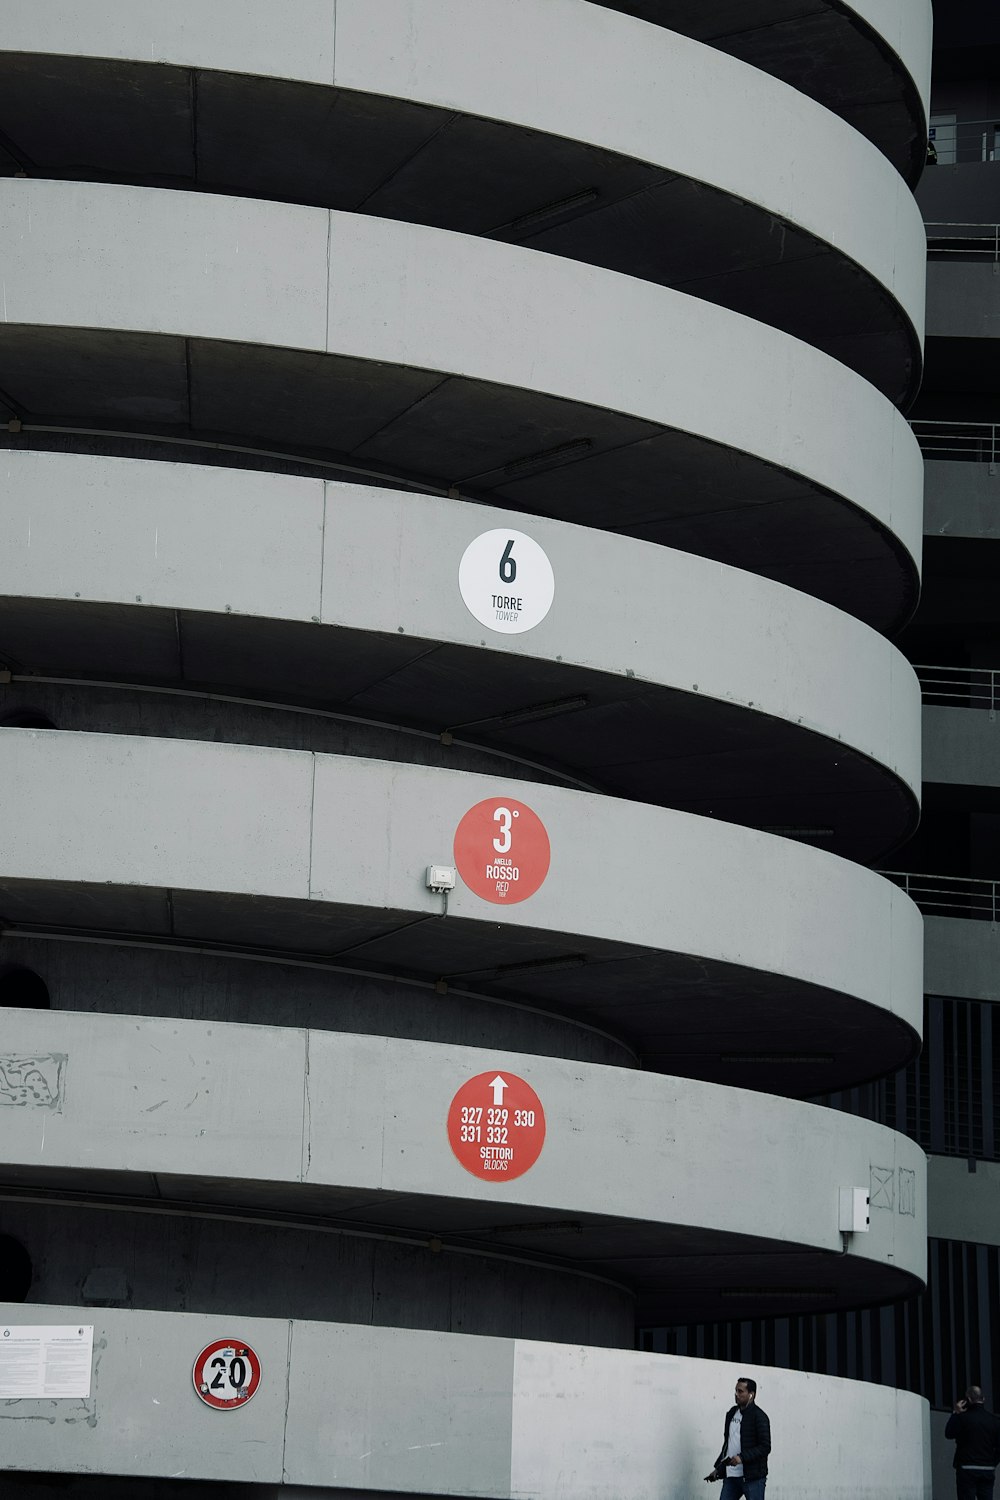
(506, 581)
(508, 567)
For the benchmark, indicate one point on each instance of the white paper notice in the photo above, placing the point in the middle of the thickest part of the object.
(45, 1360)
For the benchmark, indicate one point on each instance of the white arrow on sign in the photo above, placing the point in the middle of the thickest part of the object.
(498, 1085)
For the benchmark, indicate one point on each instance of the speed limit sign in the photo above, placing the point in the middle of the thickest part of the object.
(226, 1374)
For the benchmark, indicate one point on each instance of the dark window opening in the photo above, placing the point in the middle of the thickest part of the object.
(26, 718)
(23, 989)
(15, 1270)
(947, 1099)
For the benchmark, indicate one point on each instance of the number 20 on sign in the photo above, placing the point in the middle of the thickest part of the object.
(496, 1126)
(226, 1374)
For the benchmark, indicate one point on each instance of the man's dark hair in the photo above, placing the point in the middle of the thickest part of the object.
(751, 1385)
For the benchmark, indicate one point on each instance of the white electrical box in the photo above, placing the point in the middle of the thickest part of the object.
(854, 1210)
(440, 878)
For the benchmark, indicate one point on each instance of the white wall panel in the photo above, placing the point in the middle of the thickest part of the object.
(259, 1105)
(264, 545)
(170, 536)
(650, 94)
(412, 1412)
(908, 27)
(644, 91)
(87, 255)
(215, 817)
(157, 818)
(292, 38)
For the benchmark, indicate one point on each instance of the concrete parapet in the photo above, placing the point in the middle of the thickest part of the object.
(369, 1410)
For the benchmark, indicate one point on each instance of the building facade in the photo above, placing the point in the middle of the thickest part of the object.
(457, 509)
(948, 1100)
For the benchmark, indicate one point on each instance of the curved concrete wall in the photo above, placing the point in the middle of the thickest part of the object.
(180, 316)
(416, 128)
(194, 984)
(124, 1248)
(86, 256)
(367, 1116)
(907, 26)
(370, 1410)
(902, 28)
(181, 537)
(242, 35)
(164, 1256)
(472, 57)
(645, 93)
(202, 817)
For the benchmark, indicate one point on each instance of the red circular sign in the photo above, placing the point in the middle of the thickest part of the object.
(226, 1374)
(502, 850)
(496, 1126)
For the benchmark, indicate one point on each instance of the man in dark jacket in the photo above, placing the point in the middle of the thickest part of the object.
(746, 1442)
(976, 1432)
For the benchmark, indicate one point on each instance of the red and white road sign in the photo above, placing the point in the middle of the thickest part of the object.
(226, 1374)
(502, 851)
(496, 1126)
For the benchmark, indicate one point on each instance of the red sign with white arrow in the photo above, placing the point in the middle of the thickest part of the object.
(496, 1126)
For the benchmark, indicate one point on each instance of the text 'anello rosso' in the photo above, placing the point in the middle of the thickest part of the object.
(502, 850)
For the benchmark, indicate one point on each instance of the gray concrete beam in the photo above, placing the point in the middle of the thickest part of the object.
(193, 983)
(264, 546)
(364, 1119)
(961, 746)
(963, 1205)
(121, 816)
(702, 102)
(645, 93)
(106, 1249)
(963, 300)
(868, 62)
(961, 193)
(363, 1411)
(962, 499)
(407, 296)
(245, 32)
(962, 958)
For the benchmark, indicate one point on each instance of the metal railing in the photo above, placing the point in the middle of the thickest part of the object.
(951, 239)
(966, 442)
(950, 895)
(955, 141)
(960, 687)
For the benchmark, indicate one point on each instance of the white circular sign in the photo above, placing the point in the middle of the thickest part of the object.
(506, 581)
(226, 1374)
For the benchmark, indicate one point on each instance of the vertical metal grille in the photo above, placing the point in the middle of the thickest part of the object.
(947, 1100)
(935, 1344)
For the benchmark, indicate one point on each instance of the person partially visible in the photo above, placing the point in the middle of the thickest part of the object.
(746, 1442)
(976, 1434)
